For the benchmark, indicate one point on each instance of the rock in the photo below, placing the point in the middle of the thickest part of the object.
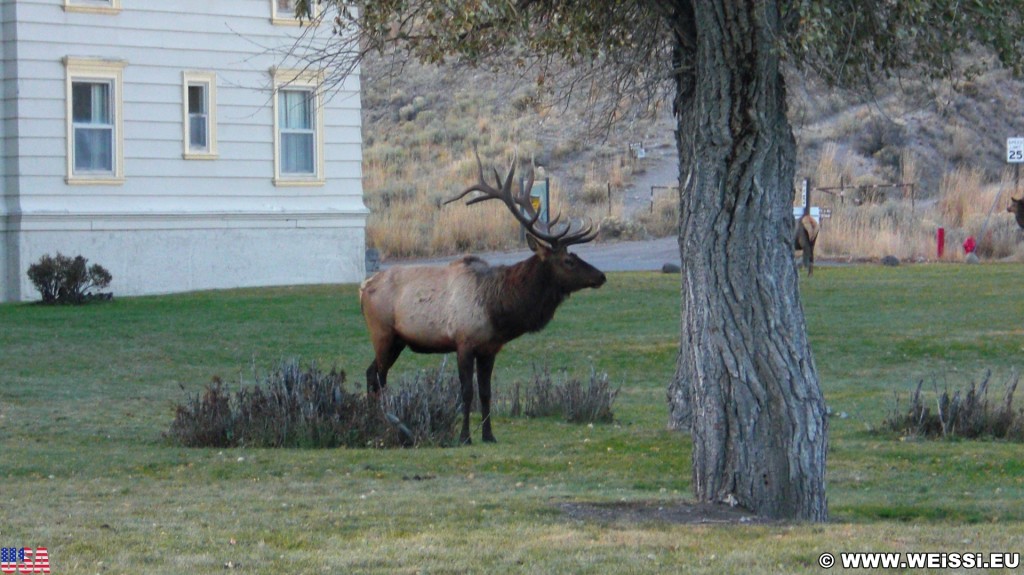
(972, 258)
(890, 261)
(671, 269)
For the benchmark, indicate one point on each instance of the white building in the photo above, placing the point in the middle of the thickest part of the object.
(172, 143)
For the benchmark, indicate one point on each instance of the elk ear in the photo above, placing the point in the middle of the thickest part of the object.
(538, 247)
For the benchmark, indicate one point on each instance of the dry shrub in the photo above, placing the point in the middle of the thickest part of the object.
(966, 414)
(593, 192)
(662, 220)
(543, 396)
(293, 406)
(425, 409)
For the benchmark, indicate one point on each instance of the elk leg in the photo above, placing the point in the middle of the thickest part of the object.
(484, 367)
(466, 360)
(377, 373)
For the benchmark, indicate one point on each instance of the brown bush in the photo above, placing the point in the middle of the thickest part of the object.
(965, 414)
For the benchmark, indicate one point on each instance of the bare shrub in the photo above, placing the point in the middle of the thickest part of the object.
(965, 414)
(878, 134)
(593, 193)
(569, 398)
(425, 409)
(614, 228)
(663, 218)
(292, 406)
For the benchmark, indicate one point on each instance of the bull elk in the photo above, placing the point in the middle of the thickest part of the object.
(470, 307)
(1017, 209)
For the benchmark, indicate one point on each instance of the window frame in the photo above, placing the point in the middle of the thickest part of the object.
(312, 82)
(279, 18)
(93, 6)
(95, 70)
(209, 81)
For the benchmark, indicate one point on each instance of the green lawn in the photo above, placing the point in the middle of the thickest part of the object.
(86, 393)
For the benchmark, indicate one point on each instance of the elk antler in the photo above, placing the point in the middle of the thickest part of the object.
(522, 208)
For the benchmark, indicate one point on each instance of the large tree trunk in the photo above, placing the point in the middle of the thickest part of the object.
(746, 385)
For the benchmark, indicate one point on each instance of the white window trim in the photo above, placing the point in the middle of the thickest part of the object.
(302, 79)
(108, 7)
(288, 18)
(190, 78)
(104, 71)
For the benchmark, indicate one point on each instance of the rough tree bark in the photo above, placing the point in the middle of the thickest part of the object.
(746, 385)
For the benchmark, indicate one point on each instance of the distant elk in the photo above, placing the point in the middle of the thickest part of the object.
(470, 307)
(806, 234)
(1017, 209)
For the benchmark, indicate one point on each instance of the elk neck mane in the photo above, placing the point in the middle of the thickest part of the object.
(520, 298)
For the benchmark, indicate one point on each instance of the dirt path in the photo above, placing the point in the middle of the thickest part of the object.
(660, 168)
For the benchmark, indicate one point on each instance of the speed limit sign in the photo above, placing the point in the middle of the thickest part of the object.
(1015, 150)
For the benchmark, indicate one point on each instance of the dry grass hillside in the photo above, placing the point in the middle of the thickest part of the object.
(421, 125)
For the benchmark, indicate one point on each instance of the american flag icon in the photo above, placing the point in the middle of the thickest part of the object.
(24, 560)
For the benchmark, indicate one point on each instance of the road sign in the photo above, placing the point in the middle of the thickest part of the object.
(540, 198)
(1015, 150)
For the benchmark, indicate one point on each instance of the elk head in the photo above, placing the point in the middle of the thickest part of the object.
(1016, 208)
(548, 241)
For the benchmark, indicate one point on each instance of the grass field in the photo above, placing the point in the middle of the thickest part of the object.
(86, 393)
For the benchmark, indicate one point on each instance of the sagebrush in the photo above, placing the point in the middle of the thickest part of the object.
(963, 413)
(294, 406)
(543, 396)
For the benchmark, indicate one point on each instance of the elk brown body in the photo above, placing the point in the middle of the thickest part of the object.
(471, 308)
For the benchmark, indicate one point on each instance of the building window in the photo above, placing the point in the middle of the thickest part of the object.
(94, 125)
(199, 97)
(296, 122)
(93, 6)
(298, 129)
(282, 12)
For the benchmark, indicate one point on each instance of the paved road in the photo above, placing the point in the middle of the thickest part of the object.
(606, 256)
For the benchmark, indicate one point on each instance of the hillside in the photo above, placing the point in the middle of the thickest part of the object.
(421, 125)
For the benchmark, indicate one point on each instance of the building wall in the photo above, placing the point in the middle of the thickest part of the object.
(178, 224)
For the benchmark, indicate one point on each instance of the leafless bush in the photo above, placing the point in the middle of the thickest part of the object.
(425, 409)
(966, 414)
(294, 406)
(543, 396)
